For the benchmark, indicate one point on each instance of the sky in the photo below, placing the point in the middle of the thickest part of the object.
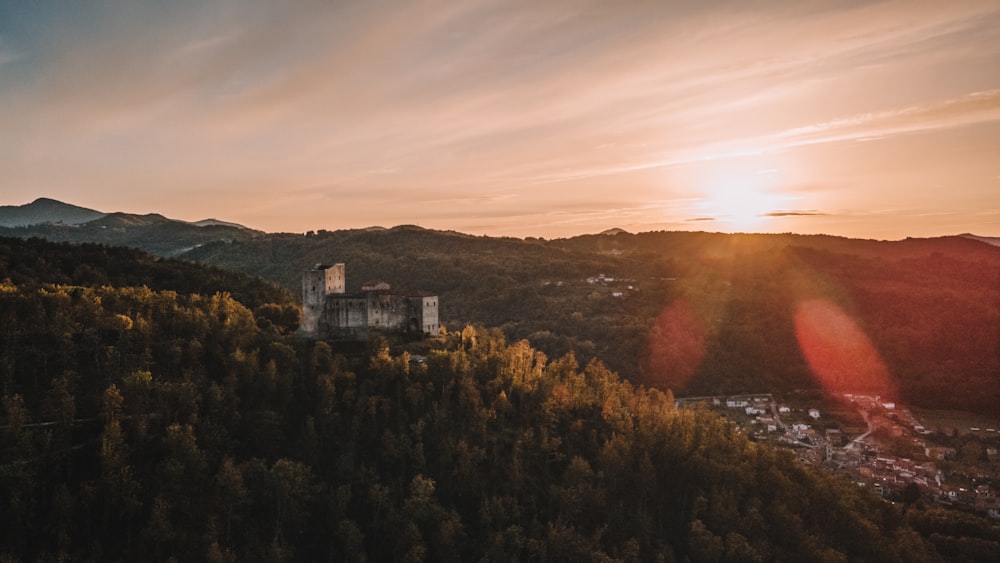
(510, 118)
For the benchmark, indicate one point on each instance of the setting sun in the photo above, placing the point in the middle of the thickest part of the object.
(738, 197)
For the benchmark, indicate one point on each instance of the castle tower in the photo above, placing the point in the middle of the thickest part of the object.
(322, 280)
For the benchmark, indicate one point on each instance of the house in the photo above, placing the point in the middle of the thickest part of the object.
(940, 453)
(735, 403)
(814, 413)
(784, 409)
(601, 279)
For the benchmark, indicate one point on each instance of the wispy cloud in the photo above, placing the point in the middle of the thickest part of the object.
(793, 213)
(976, 107)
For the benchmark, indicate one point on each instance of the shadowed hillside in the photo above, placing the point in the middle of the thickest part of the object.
(696, 312)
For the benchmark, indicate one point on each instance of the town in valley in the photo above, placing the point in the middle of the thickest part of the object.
(879, 444)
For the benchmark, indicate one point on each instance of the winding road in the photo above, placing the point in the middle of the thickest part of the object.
(860, 439)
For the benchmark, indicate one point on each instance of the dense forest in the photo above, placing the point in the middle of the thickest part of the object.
(31, 262)
(694, 312)
(148, 415)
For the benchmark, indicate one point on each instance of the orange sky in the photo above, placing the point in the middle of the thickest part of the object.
(864, 119)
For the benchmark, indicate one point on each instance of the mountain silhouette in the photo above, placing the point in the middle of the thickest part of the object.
(44, 210)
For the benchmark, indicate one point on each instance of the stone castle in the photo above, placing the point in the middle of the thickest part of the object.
(329, 311)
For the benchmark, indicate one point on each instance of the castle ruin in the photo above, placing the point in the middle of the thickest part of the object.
(329, 311)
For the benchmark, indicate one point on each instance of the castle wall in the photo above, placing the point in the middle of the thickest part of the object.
(344, 316)
(328, 310)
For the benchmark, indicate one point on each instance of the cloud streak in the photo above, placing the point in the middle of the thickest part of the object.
(976, 107)
(793, 213)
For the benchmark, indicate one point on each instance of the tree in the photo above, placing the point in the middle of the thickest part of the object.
(119, 487)
(294, 485)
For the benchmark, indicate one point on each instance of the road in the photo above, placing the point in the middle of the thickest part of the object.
(860, 439)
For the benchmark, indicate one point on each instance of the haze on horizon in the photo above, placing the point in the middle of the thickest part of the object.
(863, 119)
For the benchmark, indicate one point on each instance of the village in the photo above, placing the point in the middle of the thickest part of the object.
(893, 453)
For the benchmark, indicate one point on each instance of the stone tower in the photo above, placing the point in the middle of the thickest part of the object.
(322, 280)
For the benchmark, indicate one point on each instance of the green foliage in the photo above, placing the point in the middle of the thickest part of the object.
(931, 307)
(32, 262)
(150, 424)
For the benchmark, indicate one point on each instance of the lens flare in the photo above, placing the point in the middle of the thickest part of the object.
(675, 346)
(840, 354)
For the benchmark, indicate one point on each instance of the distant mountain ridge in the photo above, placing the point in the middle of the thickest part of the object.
(45, 210)
(62, 222)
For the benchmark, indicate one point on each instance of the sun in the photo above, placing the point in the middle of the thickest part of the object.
(739, 200)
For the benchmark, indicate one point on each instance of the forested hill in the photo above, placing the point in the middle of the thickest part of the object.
(695, 312)
(141, 423)
(35, 262)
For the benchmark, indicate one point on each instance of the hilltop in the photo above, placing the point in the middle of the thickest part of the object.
(44, 210)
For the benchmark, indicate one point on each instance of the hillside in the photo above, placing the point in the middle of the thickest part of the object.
(29, 264)
(995, 241)
(151, 424)
(693, 312)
